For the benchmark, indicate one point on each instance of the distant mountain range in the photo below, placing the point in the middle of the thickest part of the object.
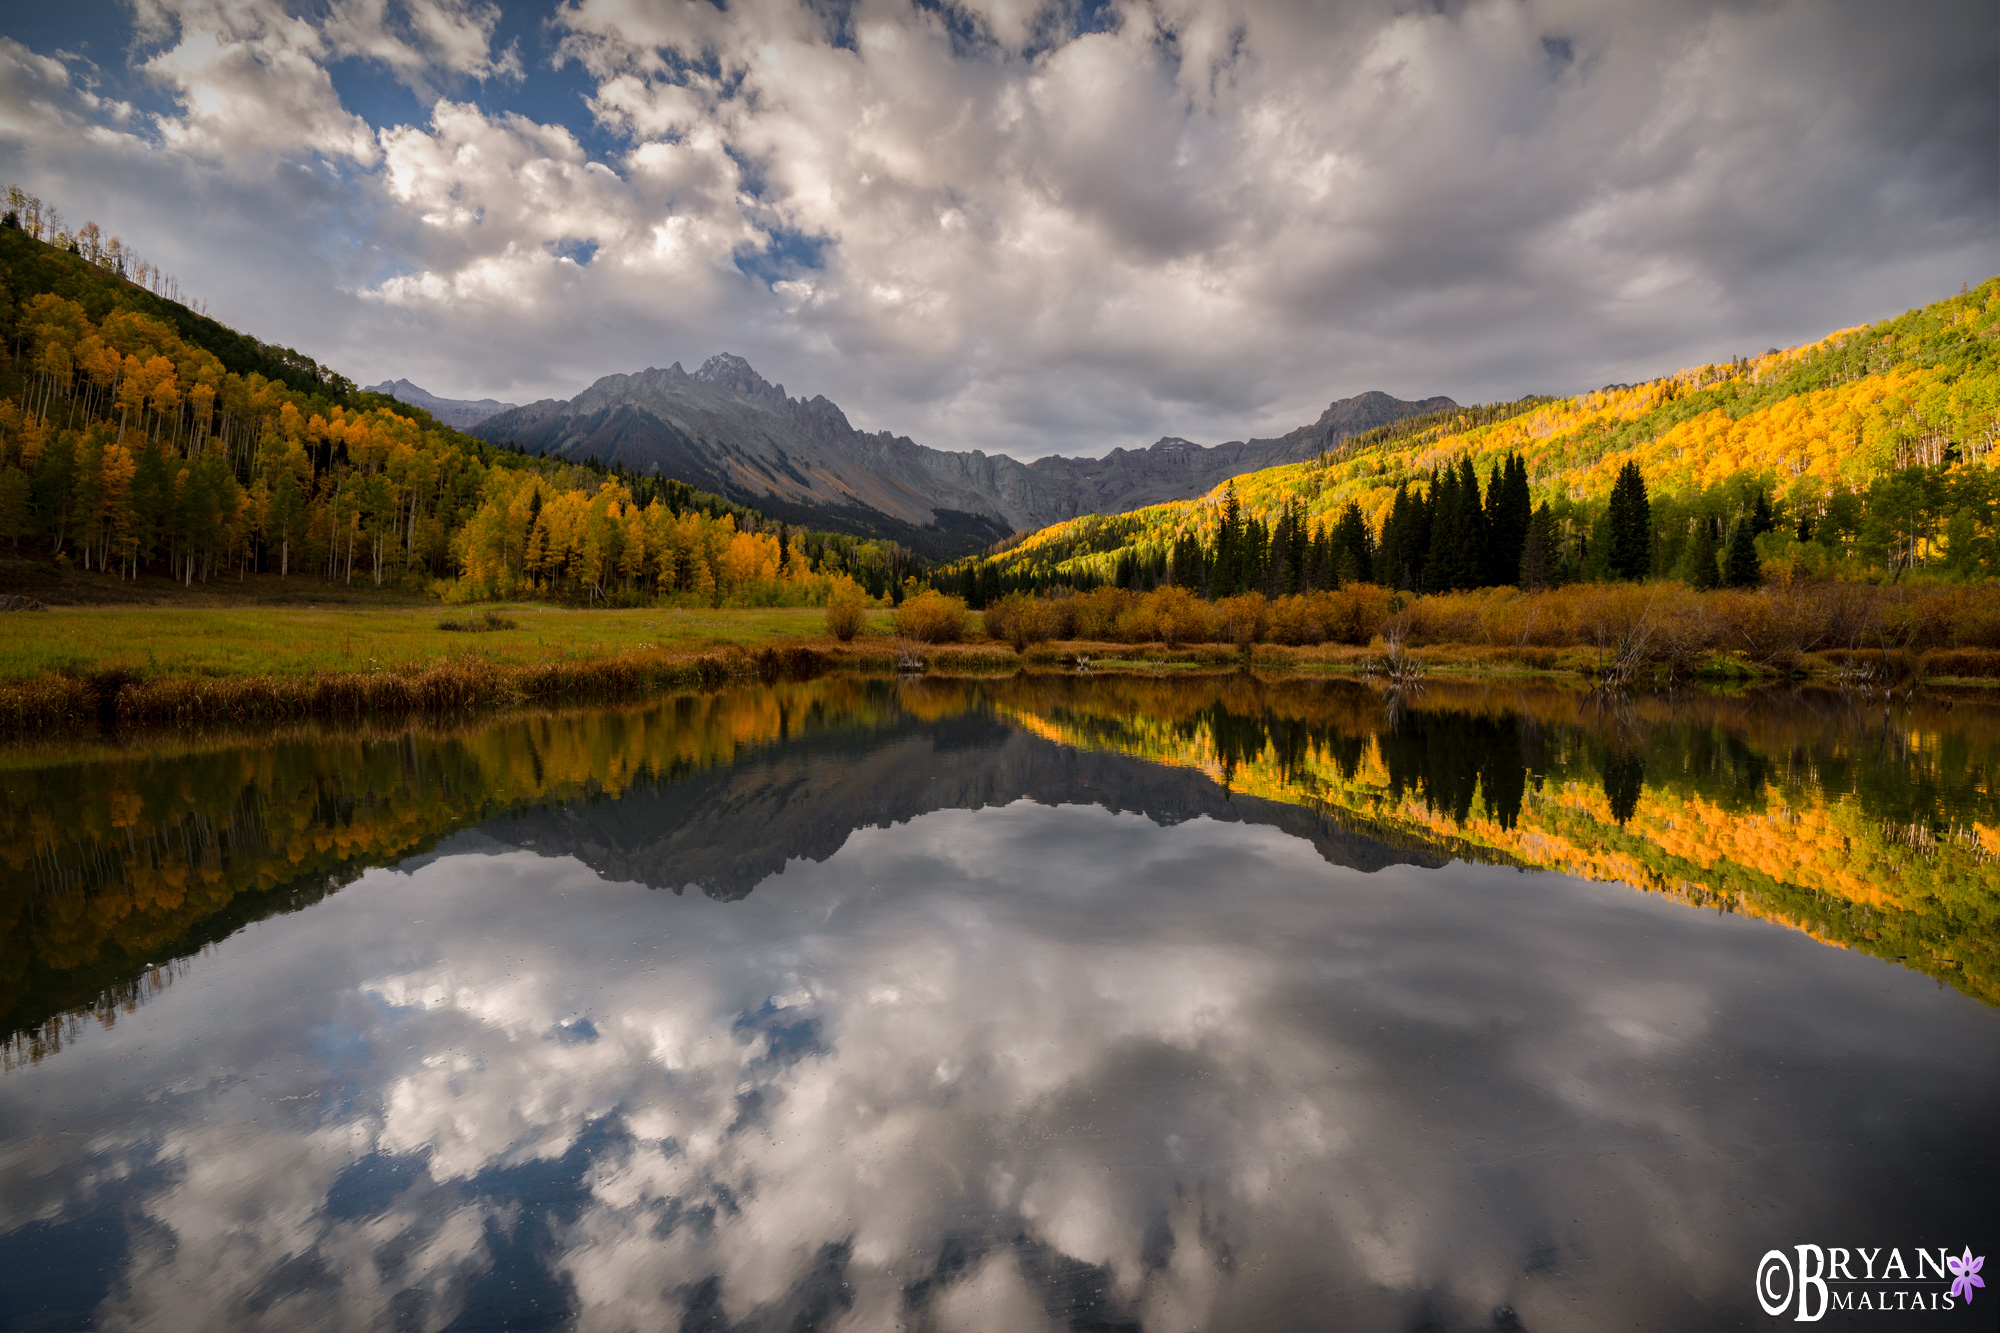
(726, 429)
(464, 413)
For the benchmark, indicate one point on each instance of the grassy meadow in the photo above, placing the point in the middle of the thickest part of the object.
(167, 642)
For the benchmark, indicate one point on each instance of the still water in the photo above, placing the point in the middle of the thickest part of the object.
(1042, 1003)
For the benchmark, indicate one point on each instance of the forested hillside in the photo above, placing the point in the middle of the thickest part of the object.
(1866, 455)
(138, 436)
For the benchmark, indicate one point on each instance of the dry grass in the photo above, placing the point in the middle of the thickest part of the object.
(205, 643)
(461, 686)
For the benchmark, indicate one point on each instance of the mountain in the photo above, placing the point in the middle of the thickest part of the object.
(1177, 469)
(464, 413)
(1827, 433)
(726, 429)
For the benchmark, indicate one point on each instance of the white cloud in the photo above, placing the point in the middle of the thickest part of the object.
(985, 228)
(250, 80)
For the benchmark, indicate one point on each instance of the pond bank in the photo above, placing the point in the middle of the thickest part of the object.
(112, 697)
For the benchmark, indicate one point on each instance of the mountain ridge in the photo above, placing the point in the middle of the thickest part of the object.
(464, 413)
(725, 428)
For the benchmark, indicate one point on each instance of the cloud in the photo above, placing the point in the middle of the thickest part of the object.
(1037, 227)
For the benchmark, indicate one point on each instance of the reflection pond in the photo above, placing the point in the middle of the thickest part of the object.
(1032, 1003)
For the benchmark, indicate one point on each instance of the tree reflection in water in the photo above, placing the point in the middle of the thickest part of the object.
(1033, 1002)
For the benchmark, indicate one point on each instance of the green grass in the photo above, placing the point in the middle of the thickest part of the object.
(163, 642)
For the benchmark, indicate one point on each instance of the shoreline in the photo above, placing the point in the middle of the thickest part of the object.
(114, 699)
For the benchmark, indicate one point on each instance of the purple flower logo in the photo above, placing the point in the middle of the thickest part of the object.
(1965, 1274)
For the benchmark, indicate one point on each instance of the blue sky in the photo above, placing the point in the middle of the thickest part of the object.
(1026, 227)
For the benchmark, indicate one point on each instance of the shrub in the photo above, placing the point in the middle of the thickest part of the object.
(1299, 621)
(1175, 616)
(1022, 620)
(931, 617)
(1243, 618)
(1096, 614)
(845, 608)
(1962, 662)
(492, 620)
(1356, 612)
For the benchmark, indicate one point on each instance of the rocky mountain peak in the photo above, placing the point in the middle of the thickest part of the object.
(725, 370)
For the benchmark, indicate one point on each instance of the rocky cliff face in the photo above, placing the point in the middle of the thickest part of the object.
(464, 413)
(726, 429)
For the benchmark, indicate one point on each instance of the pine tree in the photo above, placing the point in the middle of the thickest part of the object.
(1509, 506)
(1298, 548)
(1442, 502)
(1631, 554)
(1743, 569)
(1474, 529)
(1457, 555)
(1254, 562)
(1538, 552)
(1354, 548)
(1188, 572)
(1222, 581)
(1405, 534)
(1761, 518)
(1701, 569)
(1320, 572)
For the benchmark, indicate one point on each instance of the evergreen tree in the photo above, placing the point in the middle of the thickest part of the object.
(1509, 506)
(1298, 546)
(1319, 560)
(1392, 556)
(1701, 569)
(1473, 555)
(1538, 552)
(1457, 555)
(1222, 580)
(1253, 557)
(1743, 569)
(1187, 560)
(1354, 548)
(1631, 553)
(1761, 518)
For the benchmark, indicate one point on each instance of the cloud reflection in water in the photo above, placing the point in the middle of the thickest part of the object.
(1024, 1067)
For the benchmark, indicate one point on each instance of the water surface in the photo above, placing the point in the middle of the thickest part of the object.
(1021, 1004)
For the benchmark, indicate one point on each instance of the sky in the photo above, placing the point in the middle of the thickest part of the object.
(1018, 226)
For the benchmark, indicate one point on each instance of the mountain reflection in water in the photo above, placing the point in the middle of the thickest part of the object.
(1024, 1003)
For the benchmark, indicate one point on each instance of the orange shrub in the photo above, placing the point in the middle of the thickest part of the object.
(1356, 612)
(1022, 620)
(1095, 614)
(931, 617)
(1243, 619)
(1299, 621)
(1173, 616)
